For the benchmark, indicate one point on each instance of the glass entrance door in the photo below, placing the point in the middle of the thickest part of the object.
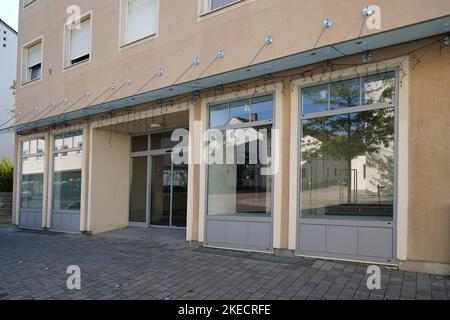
(179, 195)
(138, 191)
(168, 199)
(161, 190)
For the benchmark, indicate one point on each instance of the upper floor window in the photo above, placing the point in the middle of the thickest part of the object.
(213, 5)
(78, 42)
(33, 61)
(27, 2)
(139, 20)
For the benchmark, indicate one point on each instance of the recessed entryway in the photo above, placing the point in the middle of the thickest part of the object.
(158, 185)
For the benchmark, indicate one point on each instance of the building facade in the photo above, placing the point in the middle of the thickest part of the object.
(8, 62)
(318, 128)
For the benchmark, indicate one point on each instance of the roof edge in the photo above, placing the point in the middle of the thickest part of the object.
(9, 27)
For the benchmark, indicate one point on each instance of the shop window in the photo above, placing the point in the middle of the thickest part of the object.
(240, 185)
(358, 146)
(32, 177)
(67, 173)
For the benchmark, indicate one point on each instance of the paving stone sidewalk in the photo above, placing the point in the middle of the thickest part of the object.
(130, 265)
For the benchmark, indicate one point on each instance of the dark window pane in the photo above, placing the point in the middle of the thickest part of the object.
(138, 192)
(239, 112)
(345, 94)
(161, 190)
(162, 140)
(139, 144)
(379, 88)
(262, 108)
(179, 201)
(219, 116)
(359, 148)
(315, 99)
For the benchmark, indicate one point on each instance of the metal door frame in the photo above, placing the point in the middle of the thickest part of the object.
(159, 153)
(149, 154)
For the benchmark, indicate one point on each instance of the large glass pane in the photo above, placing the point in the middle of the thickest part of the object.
(345, 94)
(315, 99)
(348, 166)
(262, 108)
(179, 202)
(67, 173)
(138, 190)
(32, 180)
(379, 88)
(219, 115)
(161, 190)
(242, 187)
(239, 112)
(139, 144)
(32, 183)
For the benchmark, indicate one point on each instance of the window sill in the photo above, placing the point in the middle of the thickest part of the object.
(74, 65)
(138, 41)
(29, 82)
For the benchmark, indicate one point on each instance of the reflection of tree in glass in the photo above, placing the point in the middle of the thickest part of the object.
(383, 162)
(379, 88)
(345, 137)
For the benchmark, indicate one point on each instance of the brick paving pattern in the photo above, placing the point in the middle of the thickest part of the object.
(33, 266)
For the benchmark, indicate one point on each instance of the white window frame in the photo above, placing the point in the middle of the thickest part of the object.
(26, 3)
(205, 6)
(67, 63)
(26, 76)
(123, 25)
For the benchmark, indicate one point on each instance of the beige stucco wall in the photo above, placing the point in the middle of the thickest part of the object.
(429, 167)
(239, 30)
(109, 181)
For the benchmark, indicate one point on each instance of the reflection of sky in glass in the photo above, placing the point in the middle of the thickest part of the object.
(315, 99)
(219, 115)
(262, 109)
(378, 88)
(240, 110)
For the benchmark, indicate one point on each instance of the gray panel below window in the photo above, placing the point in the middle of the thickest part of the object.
(30, 218)
(64, 221)
(245, 235)
(358, 242)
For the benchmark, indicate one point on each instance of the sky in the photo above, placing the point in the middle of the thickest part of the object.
(9, 12)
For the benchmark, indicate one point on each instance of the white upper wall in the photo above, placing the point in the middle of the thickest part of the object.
(8, 63)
